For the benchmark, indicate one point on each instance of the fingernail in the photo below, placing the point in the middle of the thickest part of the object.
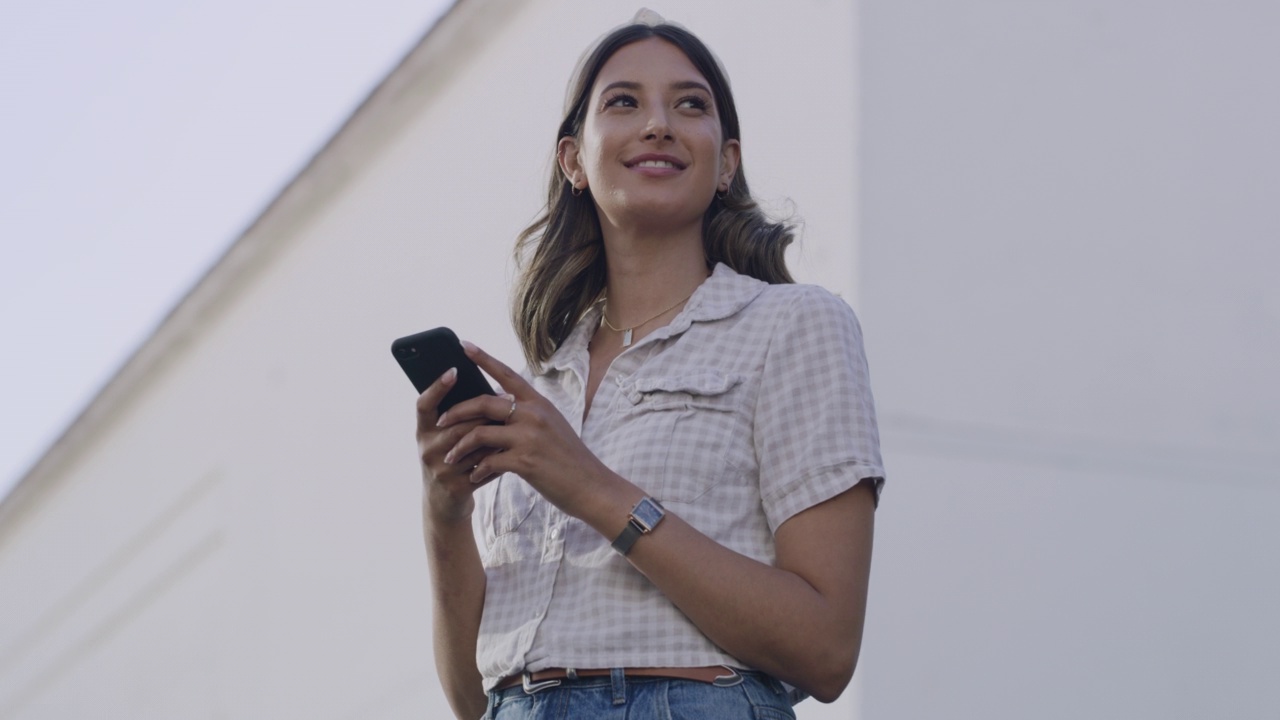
(440, 422)
(468, 346)
(475, 479)
(448, 458)
(449, 375)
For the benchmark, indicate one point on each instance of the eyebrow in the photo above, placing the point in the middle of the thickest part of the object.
(682, 85)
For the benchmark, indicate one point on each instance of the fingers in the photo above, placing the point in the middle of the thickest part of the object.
(495, 408)
(430, 398)
(480, 477)
(512, 421)
(477, 456)
(509, 379)
(478, 466)
(434, 443)
(434, 446)
(468, 464)
(483, 436)
(481, 474)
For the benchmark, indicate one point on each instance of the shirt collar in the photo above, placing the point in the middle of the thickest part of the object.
(721, 295)
(568, 356)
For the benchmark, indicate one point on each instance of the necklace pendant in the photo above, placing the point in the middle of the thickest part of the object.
(626, 337)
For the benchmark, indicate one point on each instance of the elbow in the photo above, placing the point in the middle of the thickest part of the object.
(831, 676)
(828, 690)
(466, 704)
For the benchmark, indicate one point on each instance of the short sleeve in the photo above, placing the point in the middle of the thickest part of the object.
(815, 430)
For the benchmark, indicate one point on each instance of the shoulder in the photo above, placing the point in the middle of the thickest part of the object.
(805, 305)
(762, 309)
(802, 294)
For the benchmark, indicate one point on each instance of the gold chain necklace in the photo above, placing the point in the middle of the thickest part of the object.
(626, 332)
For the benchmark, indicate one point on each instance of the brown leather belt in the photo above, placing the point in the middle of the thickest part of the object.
(711, 674)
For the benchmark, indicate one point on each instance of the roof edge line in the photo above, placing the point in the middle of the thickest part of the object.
(254, 242)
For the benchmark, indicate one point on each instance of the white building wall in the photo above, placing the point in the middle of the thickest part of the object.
(1054, 218)
(236, 534)
(1069, 287)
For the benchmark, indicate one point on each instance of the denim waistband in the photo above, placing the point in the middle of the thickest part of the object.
(617, 680)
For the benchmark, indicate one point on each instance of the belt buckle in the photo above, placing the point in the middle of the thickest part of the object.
(530, 687)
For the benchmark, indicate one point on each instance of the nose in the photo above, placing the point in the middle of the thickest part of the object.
(657, 126)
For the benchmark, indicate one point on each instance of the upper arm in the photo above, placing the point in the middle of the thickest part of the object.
(815, 430)
(829, 546)
(818, 450)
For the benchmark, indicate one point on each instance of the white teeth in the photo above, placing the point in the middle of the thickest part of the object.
(656, 164)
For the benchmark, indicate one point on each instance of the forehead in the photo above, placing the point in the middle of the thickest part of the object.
(652, 61)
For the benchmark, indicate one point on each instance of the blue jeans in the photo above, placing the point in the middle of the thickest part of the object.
(756, 697)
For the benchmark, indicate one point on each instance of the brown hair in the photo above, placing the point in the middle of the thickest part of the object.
(560, 257)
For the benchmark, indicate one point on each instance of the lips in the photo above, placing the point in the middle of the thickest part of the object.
(666, 162)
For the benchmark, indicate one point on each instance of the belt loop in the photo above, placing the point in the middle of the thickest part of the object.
(618, 679)
(733, 678)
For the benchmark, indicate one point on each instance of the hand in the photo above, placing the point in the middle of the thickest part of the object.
(449, 487)
(534, 440)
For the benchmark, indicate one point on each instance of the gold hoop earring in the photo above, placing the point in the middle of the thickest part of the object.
(575, 191)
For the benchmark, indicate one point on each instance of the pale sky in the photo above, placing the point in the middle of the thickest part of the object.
(137, 140)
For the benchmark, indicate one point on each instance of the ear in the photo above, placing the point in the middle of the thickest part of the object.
(730, 158)
(570, 162)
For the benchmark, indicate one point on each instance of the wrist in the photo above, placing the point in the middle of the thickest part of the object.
(644, 518)
(607, 506)
(440, 508)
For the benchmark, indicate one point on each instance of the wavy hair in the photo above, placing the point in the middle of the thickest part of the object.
(560, 257)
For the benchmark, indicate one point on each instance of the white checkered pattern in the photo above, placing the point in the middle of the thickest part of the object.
(751, 405)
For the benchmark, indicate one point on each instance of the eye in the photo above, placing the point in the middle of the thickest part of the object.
(620, 100)
(693, 102)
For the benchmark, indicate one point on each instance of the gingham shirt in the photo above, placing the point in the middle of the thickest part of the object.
(751, 405)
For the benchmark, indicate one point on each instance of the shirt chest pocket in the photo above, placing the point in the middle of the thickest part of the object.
(681, 432)
(507, 503)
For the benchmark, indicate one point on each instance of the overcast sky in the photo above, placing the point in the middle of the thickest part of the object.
(137, 140)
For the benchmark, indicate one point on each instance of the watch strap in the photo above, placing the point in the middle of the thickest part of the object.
(628, 537)
(644, 517)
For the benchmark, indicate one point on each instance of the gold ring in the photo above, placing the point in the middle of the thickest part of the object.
(510, 412)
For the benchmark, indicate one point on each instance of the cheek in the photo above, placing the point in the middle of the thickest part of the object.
(594, 166)
(708, 145)
(594, 151)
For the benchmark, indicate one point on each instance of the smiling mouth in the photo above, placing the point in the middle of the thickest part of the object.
(663, 164)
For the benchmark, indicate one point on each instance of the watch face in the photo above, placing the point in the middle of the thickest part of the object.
(648, 513)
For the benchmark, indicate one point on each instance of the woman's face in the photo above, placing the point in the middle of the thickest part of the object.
(651, 148)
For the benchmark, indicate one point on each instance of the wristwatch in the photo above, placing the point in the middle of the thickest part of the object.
(644, 517)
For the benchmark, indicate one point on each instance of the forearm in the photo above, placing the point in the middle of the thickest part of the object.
(771, 618)
(457, 590)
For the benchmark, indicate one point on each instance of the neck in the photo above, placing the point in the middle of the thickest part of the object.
(641, 287)
(649, 271)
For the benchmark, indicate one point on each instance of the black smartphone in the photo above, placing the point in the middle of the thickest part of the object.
(424, 358)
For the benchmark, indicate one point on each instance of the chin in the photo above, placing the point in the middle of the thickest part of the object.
(667, 210)
(671, 217)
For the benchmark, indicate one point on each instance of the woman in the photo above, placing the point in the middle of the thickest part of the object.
(678, 501)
